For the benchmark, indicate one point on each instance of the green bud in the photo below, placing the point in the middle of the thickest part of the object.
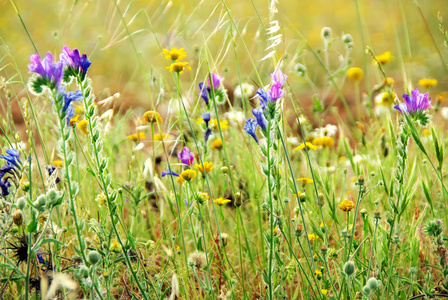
(93, 257)
(84, 272)
(349, 268)
(21, 203)
(372, 283)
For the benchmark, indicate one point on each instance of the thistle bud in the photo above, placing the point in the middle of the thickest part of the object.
(377, 214)
(17, 218)
(361, 179)
(84, 272)
(93, 257)
(21, 203)
(347, 38)
(349, 268)
(299, 230)
(224, 239)
(372, 283)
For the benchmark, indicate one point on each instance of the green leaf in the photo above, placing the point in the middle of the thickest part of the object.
(199, 244)
(32, 227)
(48, 240)
(427, 196)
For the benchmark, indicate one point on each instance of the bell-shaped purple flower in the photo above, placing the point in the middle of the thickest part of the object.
(67, 108)
(250, 127)
(276, 92)
(206, 117)
(207, 134)
(186, 156)
(203, 92)
(278, 78)
(216, 81)
(74, 60)
(261, 119)
(12, 159)
(264, 98)
(47, 69)
(415, 103)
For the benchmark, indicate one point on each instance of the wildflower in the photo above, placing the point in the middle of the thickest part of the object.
(384, 58)
(178, 67)
(168, 172)
(224, 124)
(305, 180)
(198, 259)
(82, 125)
(349, 268)
(12, 158)
(202, 197)
(187, 175)
(136, 137)
(244, 90)
(151, 117)
(57, 163)
(204, 93)
(325, 33)
(261, 119)
(433, 228)
(264, 98)
(207, 134)
(308, 146)
(216, 144)
(101, 199)
(76, 63)
(67, 109)
(324, 292)
(355, 74)
(161, 137)
(115, 247)
(20, 250)
(174, 54)
(346, 205)
(427, 83)
(250, 127)
(206, 118)
(224, 239)
(300, 69)
(444, 113)
(415, 103)
(384, 102)
(311, 237)
(216, 81)
(208, 166)
(318, 272)
(75, 119)
(186, 156)
(50, 72)
(278, 77)
(221, 201)
(324, 141)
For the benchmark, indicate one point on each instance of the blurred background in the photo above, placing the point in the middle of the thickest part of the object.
(128, 59)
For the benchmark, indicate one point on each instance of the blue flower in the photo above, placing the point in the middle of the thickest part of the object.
(264, 98)
(50, 71)
(415, 103)
(168, 172)
(74, 60)
(4, 185)
(204, 92)
(250, 127)
(206, 117)
(207, 134)
(12, 158)
(261, 120)
(67, 109)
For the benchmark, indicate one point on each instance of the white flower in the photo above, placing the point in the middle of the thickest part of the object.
(329, 130)
(383, 103)
(444, 112)
(293, 140)
(245, 89)
(235, 116)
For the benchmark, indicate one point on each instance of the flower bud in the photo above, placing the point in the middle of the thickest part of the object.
(366, 290)
(300, 69)
(93, 257)
(349, 268)
(372, 283)
(115, 247)
(347, 38)
(224, 169)
(17, 218)
(299, 230)
(224, 239)
(377, 214)
(326, 33)
(84, 272)
(363, 212)
(21, 203)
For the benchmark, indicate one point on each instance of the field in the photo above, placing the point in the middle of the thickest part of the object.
(227, 149)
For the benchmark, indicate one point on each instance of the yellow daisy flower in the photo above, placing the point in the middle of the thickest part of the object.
(305, 180)
(324, 141)
(161, 137)
(346, 205)
(308, 145)
(355, 74)
(174, 54)
(178, 67)
(82, 125)
(216, 144)
(188, 175)
(57, 163)
(208, 166)
(136, 137)
(221, 201)
(384, 58)
(151, 116)
(427, 82)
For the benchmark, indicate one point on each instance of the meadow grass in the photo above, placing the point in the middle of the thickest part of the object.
(239, 154)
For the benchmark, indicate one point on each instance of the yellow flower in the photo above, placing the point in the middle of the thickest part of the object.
(221, 201)
(355, 74)
(216, 144)
(324, 141)
(151, 116)
(79, 110)
(305, 180)
(115, 247)
(203, 196)
(346, 205)
(57, 163)
(389, 81)
(311, 236)
(224, 124)
(74, 120)
(426, 133)
(276, 231)
(82, 125)
(387, 99)
(178, 67)
(136, 136)
(318, 272)
(180, 180)
(161, 137)
(208, 166)
(308, 145)
(322, 225)
(324, 292)
(427, 83)
(174, 54)
(188, 175)
(199, 121)
(384, 58)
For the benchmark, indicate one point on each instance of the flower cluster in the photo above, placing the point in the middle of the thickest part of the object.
(174, 55)
(12, 165)
(211, 88)
(415, 106)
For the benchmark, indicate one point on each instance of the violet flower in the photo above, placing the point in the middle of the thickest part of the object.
(415, 103)
(250, 127)
(72, 59)
(50, 71)
(186, 156)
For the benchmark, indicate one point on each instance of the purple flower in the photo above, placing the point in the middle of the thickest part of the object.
(168, 172)
(203, 93)
(415, 103)
(206, 117)
(250, 127)
(276, 92)
(186, 156)
(47, 69)
(216, 81)
(12, 159)
(261, 119)
(74, 60)
(278, 78)
(67, 109)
